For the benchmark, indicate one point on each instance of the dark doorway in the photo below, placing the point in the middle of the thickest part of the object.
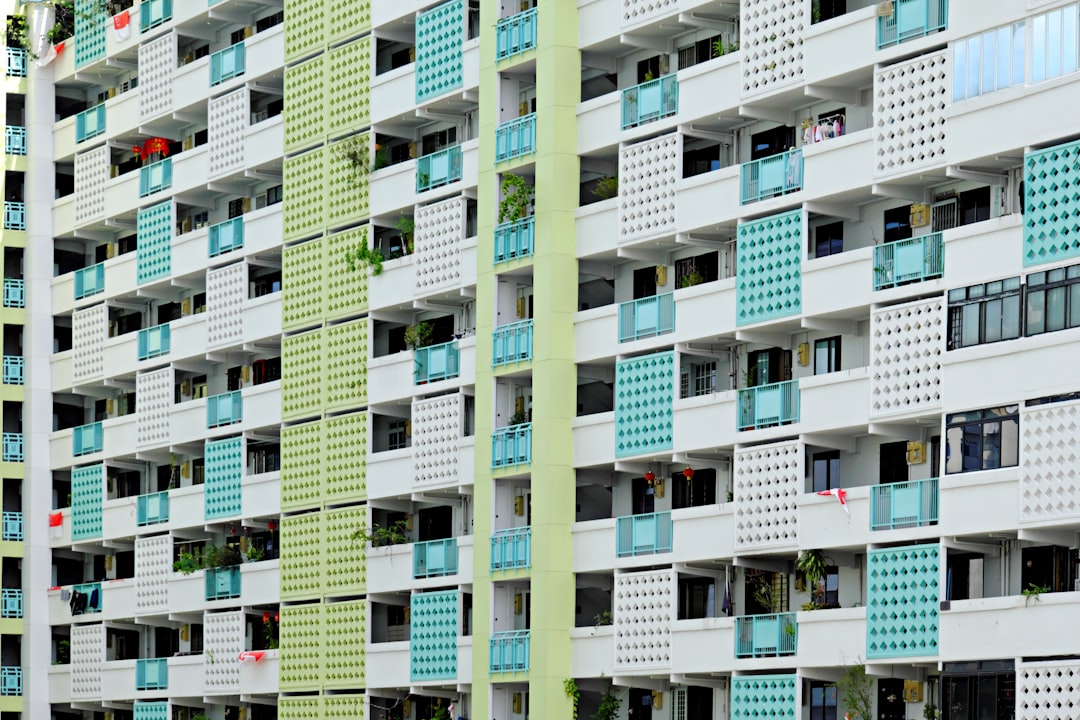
(1049, 567)
(890, 699)
(644, 282)
(640, 705)
(892, 463)
(643, 497)
(699, 703)
(771, 142)
(436, 523)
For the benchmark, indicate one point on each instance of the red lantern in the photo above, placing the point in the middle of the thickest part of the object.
(650, 476)
(271, 525)
(266, 617)
(688, 473)
(277, 617)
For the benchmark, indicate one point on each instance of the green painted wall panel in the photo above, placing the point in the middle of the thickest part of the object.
(301, 375)
(344, 561)
(304, 28)
(306, 707)
(346, 290)
(304, 115)
(348, 69)
(301, 466)
(358, 13)
(304, 203)
(344, 443)
(345, 630)
(302, 289)
(344, 707)
(302, 554)
(345, 364)
(89, 33)
(303, 652)
(347, 184)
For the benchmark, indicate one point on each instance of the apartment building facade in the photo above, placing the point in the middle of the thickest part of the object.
(608, 358)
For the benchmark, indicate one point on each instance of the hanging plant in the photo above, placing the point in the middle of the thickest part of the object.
(406, 225)
(363, 256)
(813, 565)
(419, 335)
(354, 150)
(517, 194)
(571, 689)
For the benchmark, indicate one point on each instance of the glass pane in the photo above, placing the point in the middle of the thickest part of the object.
(987, 698)
(1004, 57)
(971, 447)
(1053, 44)
(989, 66)
(821, 475)
(1010, 442)
(821, 357)
(1055, 309)
(1010, 323)
(992, 324)
(991, 449)
(1074, 305)
(1068, 40)
(969, 334)
(1035, 312)
(1018, 54)
(954, 459)
(1038, 49)
(959, 71)
(973, 67)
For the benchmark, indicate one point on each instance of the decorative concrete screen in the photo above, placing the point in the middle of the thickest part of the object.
(644, 398)
(301, 466)
(634, 11)
(324, 461)
(303, 649)
(648, 173)
(89, 33)
(301, 375)
(223, 640)
(226, 291)
(909, 113)
(644, 610)
(302, 539)
(91, 173)
(344, 291)
(765, 696)
(346, 441)
(769, 276)
(903, 590)
(153, 566)
(768, 478)
(224, 471)
(345, 631)
(87, 654)
(347, 195)
(1052, 204)
(1050, 446)
(439, 59)
(154, 393)
(436, 439)
(157, 63)
(344, 561)
(151, 710)
(305, 113)
(321, 707)
(433, 627)
(907, 345)
(348, 97)
(229, 117)
(87, 497)
(303, 284)
(438, 234)
(1048, 691)
(88, 330)
(771, 43)
(154, 227)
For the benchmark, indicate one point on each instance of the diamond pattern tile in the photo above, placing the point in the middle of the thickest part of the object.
(903, 590)
(769, 277)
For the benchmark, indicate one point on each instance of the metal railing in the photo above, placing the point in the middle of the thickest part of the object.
(155, 177)
(153, 13)
(12, 525)
(87, 439)
(11, 681)
(909, 261)
(11, 603)
(511, 549)
(644, 534)
(905, 504)
(649, 101)
(224, 409)
(14, 366)
(89, 281)
(14, 293)
(647, 317)
(222, 583)
(16, 140)
(515, 138)
(152, 508)
(90, 123)
(228, 63)
(225, 236)
(911, 19)
(436, 362)
(12, 447)
(16, 62)
(155, 341)
(438, 169)
(511, 446)
(151, 674)
(14, 215)
(514, 240)
(758, 636)
(772, 404)
(775, 175)
(509, 651)
(515, 34)
(512, 343)
(435, 558)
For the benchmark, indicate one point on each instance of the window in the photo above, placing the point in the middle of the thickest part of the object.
(1052, 300)
(701, 51)
(771, 142)
(701, 159)
(975, 205)
(976, 690)
(988, 62)
(698, 491)
(236, 207)
(1054, 43)
(433, 142)
(397, 436)
(984, 313)
(696, 270)
(273, 195)
(651, 68)
(829, 239)
(705, 378)
(898, 223)
(826, 470)
(982, 440)
(827, 355)
(696, 598)
(827, 593)
(822, 700)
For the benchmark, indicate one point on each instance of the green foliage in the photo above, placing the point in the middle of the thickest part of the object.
(363, 256)
(517, 194)
(813, 565)
(719, 49)
(255, 554)
(393, 534)
(520, 417)
(419, 335)
(603, 618)
(270, 635)
(441, 713)
(571, 689)
(406, 225)
(381, 158)
(1033, 592)
(691, 279)
(609, 707)
(354, 150)
(221, 556)
(856, 689)
(63, 652)
(607, 187)
(930, 711)
(187, 563)
(64, 26)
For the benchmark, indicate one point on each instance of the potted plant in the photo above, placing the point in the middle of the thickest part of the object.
(607, 187)
(392, 534)
(187, 563)
(603, 618)
(63, 652)
(381, 158)
(419, 335)
(690, 279)
(813, 566)
(406, 225)
(363, 256)
(517, 195)
(520, 417)
(609, 707)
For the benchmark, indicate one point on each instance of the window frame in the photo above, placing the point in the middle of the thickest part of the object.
(831, 460)
(975, 427)
(833, 240)
(1040, 285)
(826, 709)
(978, 299)
(831, 349)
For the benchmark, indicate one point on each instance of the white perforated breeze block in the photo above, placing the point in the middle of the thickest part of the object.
(87, 654)
(223, 640)
(437, 439)
(768, 478)
(438, 232)
(1050, 446)
(907, 342)
(226, 290)
(228, 119)
(644, 609)
(772, 43)
(909, 114)
(1048, 691)
(157, 62)
(88, 330)
(153, 400)
(634, 11)
(153, 564)
(91, 172)
(648, 173)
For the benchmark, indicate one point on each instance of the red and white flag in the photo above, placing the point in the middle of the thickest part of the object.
(841, 495)
(122, 25)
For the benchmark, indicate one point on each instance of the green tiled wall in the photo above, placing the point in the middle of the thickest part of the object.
(303, 287)
(304, 115)
(346, 185)
(345, 631)
(301, 375)
(319, 707)
(303, 652)
(324, 461)
(345, 364)
(301, 466)
(322, 646)
(344, 564)
(348, 99)
(302, 556)
(345, 440)
(346, 291)
(303, 210)
(305, 31)
(358, 12)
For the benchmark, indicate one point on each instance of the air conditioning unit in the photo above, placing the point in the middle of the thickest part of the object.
(913, 691)
(189, 142)
(109, 406)
(245, 204)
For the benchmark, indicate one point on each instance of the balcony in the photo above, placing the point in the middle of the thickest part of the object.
(514, 240)
(153, 13)
(16, 62)
(90, 123)
(515, 34)
(223, 583)
(902, 505)
(228, 63)
(152, 508)
(645, 534)
(438, 169)
(11, 603)
(768, 177)
(511, 549)
(509, 651)
(94, 597)
(155, 341)
(13, 447)
(436, 362)
(89, 281)
(511, 446)
(647, 317)
(761, 636)
(14, 293)
(14, 216)
(765, 405)
(515, 138)
(224, 409)
(512, 343)
(16, 140)
(225, 236)
(14, 366)
(649, 101)
(87, 439)
(909, 261)
(151, 674)
(911, 19)
(155, 177)
(12, 525)
(11, 681)
(435, 558)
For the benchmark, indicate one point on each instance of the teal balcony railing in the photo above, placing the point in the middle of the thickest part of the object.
(435, 362)
(514, 240)
(16, 140)
(773, 404)
(511, 549)
(153, 13)
(16, 62)
(224, 409)
(11, 603)
(645, 534)
(435, 558)
(650, 101)
(90, 123)
(12, 526)
(438, 169)
(12, 447)
(228, 63)
(909, 261)
(152, 508)
(151, 674)
(759, 636)
(87, 439)
(14, 215)
(775, 175)
(155, 341)
(905, 504)
(11, 681)
(14, 293)
(225, 236)
(512, 343)
(515, 138)
(155, 177)
(89, 281)
(511, 446)
(509, 651)
(13, 369)
(94, 598)
(515, 34)
(912, 19)
(222, 583)
(647, 317)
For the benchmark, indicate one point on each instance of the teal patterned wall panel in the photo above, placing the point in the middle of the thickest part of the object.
(1052, 204)
(433, 626)
(89, 33)
(154, 234)
(224, 469)
(87, 495)
(439, 63)
(769, 283)
(151, 711)
(644, 393)
(764, 696)
(903, 589)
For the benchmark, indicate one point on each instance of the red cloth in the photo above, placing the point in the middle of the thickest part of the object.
(56, 519)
